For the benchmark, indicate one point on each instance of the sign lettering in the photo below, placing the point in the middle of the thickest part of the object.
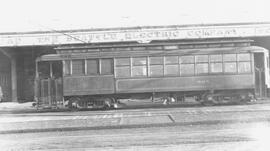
(140, 35)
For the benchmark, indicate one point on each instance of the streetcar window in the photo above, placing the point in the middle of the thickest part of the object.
(171, 60)
(230, 63)
(186, 59)
(172, 70)
(138, 71)
(187, 69)
(244, 67)
(156, 70)
(156, 60)
(171, 65)
(243, 57)
(230, 67)
(44, 69)
(78, 67)
(106, 66)
(67, 70)
(139, 61)
(122, 62)
(244, 63)
(139, 66)
(156, 66)
(201, 64)
(215, 58)
(57, 69)
(216, 67)
(229, 57)
(122, 67)
(201, 58)
(216, 63)
(92, 67)
(186, 65)
(122, 72)
(201, 68)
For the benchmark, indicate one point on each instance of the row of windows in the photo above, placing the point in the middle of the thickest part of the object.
(89, 67)
(162, 65)
(183, 65)
(183, 59)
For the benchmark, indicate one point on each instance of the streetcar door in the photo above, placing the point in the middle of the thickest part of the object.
(259, 68)
(50, 89)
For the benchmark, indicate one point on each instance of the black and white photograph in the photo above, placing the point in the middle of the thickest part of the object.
(134, 75)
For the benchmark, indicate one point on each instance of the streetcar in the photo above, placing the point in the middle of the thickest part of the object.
(98, 77)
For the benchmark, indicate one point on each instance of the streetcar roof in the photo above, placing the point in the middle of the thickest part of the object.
(112, 54)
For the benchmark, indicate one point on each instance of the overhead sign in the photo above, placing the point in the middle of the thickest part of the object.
(141, 35)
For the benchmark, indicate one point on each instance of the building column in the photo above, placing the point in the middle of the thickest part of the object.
(14, 96)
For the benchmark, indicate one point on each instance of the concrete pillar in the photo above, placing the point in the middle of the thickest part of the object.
(14, 96)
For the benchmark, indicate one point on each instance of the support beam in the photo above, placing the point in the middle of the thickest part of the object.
(14, 95)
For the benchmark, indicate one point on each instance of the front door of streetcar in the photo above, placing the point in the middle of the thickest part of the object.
(260, 88)
(49, 84)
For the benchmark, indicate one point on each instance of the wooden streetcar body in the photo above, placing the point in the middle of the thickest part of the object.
(203, 73)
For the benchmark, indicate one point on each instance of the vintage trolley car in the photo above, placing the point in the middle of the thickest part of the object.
(210, 72)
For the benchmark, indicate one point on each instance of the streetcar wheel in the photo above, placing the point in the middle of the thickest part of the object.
(108, 103)
(208, 100)
(74, 103)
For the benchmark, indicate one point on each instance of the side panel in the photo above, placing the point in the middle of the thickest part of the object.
(86, 85)
(185, 83)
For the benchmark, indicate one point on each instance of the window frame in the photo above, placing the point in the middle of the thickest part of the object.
(98, 67)
(230, 61)
(134, 66)
(204, 62)
(111, 66)
(151, 65)
(201, 73)
(181, 63)
(213, 62)
(69, 68)
(83, 67)
(118, 66)
(171, 64)
(249, 61)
